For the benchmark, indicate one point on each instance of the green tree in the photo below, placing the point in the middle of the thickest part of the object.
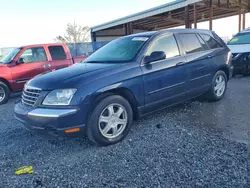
(74, 34)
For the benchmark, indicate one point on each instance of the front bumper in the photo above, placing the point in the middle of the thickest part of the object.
(241, 65)
(54, 121)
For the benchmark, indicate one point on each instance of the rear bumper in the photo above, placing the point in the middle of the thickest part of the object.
(52, 121)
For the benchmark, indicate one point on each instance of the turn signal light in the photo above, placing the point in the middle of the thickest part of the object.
(72, 130)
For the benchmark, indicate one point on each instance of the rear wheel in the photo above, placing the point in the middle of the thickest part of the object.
(219, 86)
(4, 93)
(110, 121)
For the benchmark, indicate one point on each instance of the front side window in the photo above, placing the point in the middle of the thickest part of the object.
(190, 43)
(166, 44)
(118, 51)
(34, 55)
(241, 38)
(57, 52)
(212, 43)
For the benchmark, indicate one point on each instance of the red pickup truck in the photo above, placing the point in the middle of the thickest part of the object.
(26, 62)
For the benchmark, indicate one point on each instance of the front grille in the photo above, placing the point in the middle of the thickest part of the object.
(30, 96)
(234, 54)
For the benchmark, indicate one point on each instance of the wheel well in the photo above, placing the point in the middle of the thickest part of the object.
(6, 82)
(125, 93)
(226, 70)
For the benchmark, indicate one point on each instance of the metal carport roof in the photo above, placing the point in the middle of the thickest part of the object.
(173, 14)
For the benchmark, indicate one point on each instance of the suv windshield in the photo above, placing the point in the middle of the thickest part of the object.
(241, 38)
(119, 50)
(10, 56)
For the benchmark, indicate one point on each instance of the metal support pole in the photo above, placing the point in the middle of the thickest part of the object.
(187, 20)
(239, 15)
(195, 16)
(210, 16)
(126, 29)
(93, 36)
(244, 20)
(130, 26)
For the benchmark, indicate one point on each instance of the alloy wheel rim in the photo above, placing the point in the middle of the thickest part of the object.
(113, 121)
(220, 85)
(2, 94)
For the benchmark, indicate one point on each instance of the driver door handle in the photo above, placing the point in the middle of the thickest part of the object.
(180, 63)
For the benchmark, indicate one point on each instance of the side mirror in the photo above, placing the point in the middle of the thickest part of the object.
(155, 56)
(20, 61)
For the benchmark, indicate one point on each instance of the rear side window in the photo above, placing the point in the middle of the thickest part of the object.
(212, 43)
(57, 52)
(190, 43)
(166, 44)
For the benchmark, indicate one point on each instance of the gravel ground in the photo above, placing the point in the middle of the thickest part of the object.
(196, 144)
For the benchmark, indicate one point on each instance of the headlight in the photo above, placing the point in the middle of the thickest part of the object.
(59, 97)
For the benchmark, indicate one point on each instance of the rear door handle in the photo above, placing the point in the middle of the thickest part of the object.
(180, 63)
(46, 66)
(209, 56)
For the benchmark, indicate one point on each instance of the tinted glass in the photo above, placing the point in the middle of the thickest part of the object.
(10, 56)
(190, 43)
(241, 38)
(212, 43)
(120, 50)
(34, 55)
(203, 44)
(166, 44)
(57, 52)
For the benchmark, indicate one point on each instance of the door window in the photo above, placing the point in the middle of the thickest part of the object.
(57, 52)
(32, 55)
(190, 43)
(166, 44)
(212, 43)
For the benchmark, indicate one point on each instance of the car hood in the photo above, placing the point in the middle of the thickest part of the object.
(239, 48)
(72, 77)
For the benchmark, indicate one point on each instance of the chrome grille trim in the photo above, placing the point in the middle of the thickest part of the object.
(30, 96)
(25, 95)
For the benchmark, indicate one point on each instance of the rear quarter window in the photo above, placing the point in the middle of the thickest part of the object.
(57, 52)
(212, 43)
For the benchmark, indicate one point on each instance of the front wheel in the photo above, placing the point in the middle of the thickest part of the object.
(219, 86)
(4, 93)
(110, 121)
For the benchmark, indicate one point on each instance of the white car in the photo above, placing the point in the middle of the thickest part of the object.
(240, 48)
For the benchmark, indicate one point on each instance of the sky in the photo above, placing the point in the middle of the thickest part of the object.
(24, 22)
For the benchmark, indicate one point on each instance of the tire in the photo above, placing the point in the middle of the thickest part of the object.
(213, 94)
(102, 131)
(4, 93)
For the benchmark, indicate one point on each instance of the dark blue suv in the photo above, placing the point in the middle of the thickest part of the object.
(126, 79)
